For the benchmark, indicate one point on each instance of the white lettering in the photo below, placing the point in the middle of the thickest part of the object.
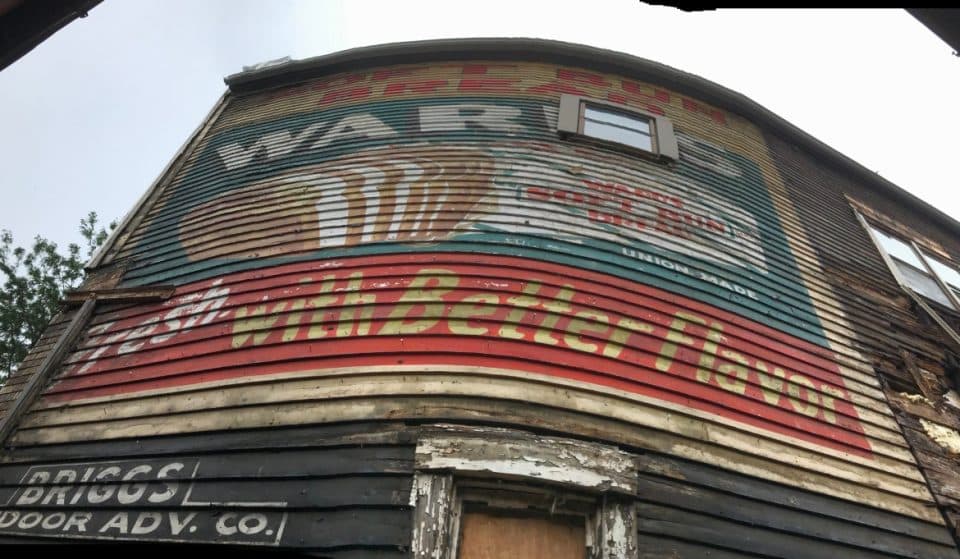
(276, 144)
(252, 524)
(53, 521)
(9, 518)
(171, 487)
(355, 126)
(131, 493)
(31, 495)
(439, 118)
(29, 520)
(176, 525)
(79, 521)
(119, 523)
(101, 494)
(146, 522)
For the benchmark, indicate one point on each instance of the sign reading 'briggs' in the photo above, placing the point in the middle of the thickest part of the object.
(130, 500)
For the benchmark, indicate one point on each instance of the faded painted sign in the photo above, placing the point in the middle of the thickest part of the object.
(688, 230)
(385, 246)
(153, 500)
(374, 309)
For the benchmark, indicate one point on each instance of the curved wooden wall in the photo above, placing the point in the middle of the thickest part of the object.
(416, 243)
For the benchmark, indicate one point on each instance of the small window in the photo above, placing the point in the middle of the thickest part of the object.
(608, 123)
(514, 522)
(916, 269)
(491, 493)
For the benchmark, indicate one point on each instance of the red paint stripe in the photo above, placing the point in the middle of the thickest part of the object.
(360, 352)
(203, 353)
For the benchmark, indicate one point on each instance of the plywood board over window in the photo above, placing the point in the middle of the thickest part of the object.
(484, 493)
(497, 534)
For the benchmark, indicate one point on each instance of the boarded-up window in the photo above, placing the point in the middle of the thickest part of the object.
(509, 534)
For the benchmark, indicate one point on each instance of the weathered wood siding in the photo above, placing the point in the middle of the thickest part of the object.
(416, 243)
(689, 511)
(15, 384)
(911, 354)
(341, 491)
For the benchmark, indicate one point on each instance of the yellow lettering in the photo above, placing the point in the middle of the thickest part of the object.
(621, 332)
(812, 406)
(463, 311)
(351, 300)
(675, 334)
(557, 307)
(829, 409)
(709, 351)
(728, 371)
(431, 299)
(258, 323)
(321, 301)
(293, 321)
(521, 302)
(772, 385)
(577, 326)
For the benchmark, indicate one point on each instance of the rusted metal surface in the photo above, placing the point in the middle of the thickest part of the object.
(416, 243)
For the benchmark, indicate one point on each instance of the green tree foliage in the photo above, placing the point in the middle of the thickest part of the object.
(34, 282)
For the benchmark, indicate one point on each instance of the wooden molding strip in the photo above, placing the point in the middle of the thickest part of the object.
(150, 294)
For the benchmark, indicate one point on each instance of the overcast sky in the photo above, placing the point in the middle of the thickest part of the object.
(90, 117)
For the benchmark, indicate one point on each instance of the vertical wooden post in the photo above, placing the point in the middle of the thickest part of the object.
(616, 529)
(432, 499)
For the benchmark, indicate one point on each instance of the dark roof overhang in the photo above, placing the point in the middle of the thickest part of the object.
(945, 22)
(24, 24)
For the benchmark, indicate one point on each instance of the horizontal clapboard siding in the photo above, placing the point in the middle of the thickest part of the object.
(899, 336)
(688, 510)
(416, 243)
(18, 380)
(344, 488)
(101, 369)
(411, 232)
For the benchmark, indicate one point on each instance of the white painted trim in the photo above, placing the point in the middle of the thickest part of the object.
(444, 453)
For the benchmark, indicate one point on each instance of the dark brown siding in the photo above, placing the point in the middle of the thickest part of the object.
(341, 490)
(910, 352)
(17, 381)
(694, 511)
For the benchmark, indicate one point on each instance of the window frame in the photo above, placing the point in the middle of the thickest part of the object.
(470, 490)
(570, 123)
(453, 461)
(923, 256)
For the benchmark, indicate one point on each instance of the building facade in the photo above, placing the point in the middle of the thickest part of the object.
(477, 297)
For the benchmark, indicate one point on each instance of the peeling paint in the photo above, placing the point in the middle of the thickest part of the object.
(566, 462)
(944, 436)
(917, 398)
(952, 398)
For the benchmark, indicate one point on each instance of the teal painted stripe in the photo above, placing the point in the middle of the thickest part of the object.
(783, 300)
